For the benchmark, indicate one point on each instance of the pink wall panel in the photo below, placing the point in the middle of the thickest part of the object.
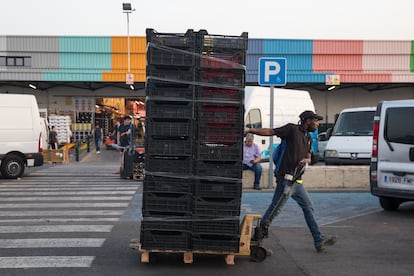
(386, 62)
(323, 63)
(387, 47)
(331, 55)
(337, 47)
(366, 78)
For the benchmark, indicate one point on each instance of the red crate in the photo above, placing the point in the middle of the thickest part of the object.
(230, 78)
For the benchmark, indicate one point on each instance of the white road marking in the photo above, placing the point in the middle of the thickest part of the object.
(71, 213)
(51, 243)
(55, 228)
(66, 198)
(55, 205)
(66, 220)
(69, 193)
(83, 188)
(46, 261)
(351, 217)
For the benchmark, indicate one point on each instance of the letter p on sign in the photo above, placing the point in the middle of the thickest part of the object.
(272, 71)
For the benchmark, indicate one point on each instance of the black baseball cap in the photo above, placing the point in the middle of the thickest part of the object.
(308, 114)
(128, 117)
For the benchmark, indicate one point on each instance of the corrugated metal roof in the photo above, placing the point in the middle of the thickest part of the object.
(331, 62)
(381, 47)
(82, 44)
(386, 62)
(337, 47)
(32, 43)
(255, 46)
(287, 46)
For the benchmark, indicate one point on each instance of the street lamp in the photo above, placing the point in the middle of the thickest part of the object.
(127, 8)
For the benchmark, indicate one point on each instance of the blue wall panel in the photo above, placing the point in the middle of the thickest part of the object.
(287, 46)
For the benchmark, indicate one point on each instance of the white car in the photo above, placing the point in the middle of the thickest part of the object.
(322, 142)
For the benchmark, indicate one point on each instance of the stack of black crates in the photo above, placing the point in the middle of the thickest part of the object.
(194, 141)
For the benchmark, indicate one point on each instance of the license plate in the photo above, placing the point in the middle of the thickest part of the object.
(394, 179)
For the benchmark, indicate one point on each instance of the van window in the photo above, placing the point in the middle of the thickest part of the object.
(253, 119)
(399, 127)
(354, 123)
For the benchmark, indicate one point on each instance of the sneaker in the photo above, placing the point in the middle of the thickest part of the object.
(329, 241)
(257, 188)
(98, 152)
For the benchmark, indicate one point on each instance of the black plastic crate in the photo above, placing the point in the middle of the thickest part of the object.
(216, 242)
(182, 165)
(219, 226)
(175, 74)
(223, 41)
(217, 187)
(165, 239)
(229, 78)
(162, 108)
(214, 60)
(219, 151)
(164, 128)
(216, 206)
(166, 56)
(166, 202)
(219, 133)
(182, 147)
(163, 223)
(176, 40)
(220, 113)
(231, 169)
(159, 182)
(219, 94)
(169, 90)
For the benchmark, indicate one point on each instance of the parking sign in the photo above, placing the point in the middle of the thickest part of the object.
(272, 71)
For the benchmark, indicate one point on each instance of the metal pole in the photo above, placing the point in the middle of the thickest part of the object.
(272, 90)
(129, 49)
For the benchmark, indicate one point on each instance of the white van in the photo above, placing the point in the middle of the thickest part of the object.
(288, 104)
(350, 141)
(392, 162)
(20, 134)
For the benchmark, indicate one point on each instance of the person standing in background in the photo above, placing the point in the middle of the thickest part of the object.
(53, 138)
(97, 136)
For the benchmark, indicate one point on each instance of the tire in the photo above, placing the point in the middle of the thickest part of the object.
(258, 254)
(12, 166)
(389, 203)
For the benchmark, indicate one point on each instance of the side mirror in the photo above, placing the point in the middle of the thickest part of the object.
(328, 133)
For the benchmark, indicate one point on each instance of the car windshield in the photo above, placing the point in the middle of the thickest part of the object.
(354, 124)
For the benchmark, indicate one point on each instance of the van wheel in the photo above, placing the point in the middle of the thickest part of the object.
(389, 203)
(12, 166)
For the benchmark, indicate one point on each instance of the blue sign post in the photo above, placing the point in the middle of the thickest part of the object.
(272, 72)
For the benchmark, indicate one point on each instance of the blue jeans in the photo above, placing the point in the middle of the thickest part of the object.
(98, 142)
(257, 168)
(300, 195)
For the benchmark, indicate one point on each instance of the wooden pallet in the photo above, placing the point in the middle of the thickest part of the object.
(188, 256)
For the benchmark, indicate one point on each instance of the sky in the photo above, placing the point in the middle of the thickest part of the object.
(287, 19)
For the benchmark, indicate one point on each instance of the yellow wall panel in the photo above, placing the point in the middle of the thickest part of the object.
(120, 59)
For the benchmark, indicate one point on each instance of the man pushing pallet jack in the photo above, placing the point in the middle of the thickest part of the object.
(290, 158)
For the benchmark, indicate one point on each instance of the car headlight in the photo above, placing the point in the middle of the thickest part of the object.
(331, 153)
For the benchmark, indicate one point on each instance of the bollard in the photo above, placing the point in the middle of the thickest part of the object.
(88, 149)
(77, 150)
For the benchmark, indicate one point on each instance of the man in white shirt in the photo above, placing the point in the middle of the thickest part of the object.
(251, 159)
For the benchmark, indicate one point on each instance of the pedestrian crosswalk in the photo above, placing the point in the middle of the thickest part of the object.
(60, 216)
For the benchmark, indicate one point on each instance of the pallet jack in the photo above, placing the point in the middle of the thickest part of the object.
(252, 232)
(254, 246)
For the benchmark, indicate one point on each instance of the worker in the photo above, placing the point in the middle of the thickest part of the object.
(297, 151)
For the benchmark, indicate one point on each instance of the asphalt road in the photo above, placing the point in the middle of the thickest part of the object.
(79, 219)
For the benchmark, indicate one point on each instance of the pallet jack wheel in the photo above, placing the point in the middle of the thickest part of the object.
(258, 254)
